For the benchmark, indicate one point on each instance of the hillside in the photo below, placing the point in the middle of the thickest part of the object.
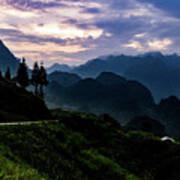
(84, 146)
(168, 111)
(13, 168)
(18, 104)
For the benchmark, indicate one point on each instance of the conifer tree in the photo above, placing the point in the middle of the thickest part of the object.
(8, 74)
(35, 79)
(1, 75)
(22, 74)
(43, 80)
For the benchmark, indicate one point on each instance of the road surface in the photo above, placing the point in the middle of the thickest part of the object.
(26, 123)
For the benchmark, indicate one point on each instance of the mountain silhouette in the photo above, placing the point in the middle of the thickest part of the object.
(122, 99)
(64, 78)
(7, 59)
(58, 67)
(160, 73)
(168, 111)
(146, 124)
(109, 78)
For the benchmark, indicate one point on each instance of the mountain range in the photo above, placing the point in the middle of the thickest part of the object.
(109, 93)
(160, 73)
(85, 88)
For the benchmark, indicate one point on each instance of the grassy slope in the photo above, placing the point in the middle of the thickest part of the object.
(14, 169)
(86, 147)
(17, 104)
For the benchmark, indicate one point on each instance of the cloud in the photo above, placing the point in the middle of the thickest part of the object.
(92, 10)
(169, 6)
(157, 44)
(135, 45)
(78, 30)
(149, 45)
(33, 4)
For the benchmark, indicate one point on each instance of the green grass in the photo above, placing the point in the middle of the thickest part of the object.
(59, 152)
(85, 147)
(16, 170)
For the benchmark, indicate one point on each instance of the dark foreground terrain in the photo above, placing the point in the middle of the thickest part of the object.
(84, 146)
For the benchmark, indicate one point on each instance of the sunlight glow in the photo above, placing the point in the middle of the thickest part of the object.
(159, 44)
(66, 31)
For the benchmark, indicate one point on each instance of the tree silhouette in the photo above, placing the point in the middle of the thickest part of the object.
(1, 75)
(35, 79)
(8, 74)
(22, 74)
(42, 80)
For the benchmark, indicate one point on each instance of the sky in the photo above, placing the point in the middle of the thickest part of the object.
(74, 31)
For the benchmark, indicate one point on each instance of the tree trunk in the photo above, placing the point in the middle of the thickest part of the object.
(41, 91)
(36, 90)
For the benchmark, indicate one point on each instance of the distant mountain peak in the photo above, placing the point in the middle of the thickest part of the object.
(58, 67)
(64, 78)
(110, 78)
(152, 54)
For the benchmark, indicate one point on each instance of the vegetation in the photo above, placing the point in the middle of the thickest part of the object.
(42, 80)
(13, 168)
(17, 104)
(8, 74)
(39, 79)
(146, 124)
(79, 146)
(22, 74)
(83, 146)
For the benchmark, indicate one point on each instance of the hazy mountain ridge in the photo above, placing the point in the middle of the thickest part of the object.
(123, 97)
(64, 78)
(160, 73)
(58, 67)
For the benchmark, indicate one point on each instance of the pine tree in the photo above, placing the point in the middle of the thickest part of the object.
(43, 80)
(1, 75)
(22, 74)
(8, 74)
(35, 79)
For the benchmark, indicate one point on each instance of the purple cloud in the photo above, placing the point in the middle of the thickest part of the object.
(121, 22)
(29, 4)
